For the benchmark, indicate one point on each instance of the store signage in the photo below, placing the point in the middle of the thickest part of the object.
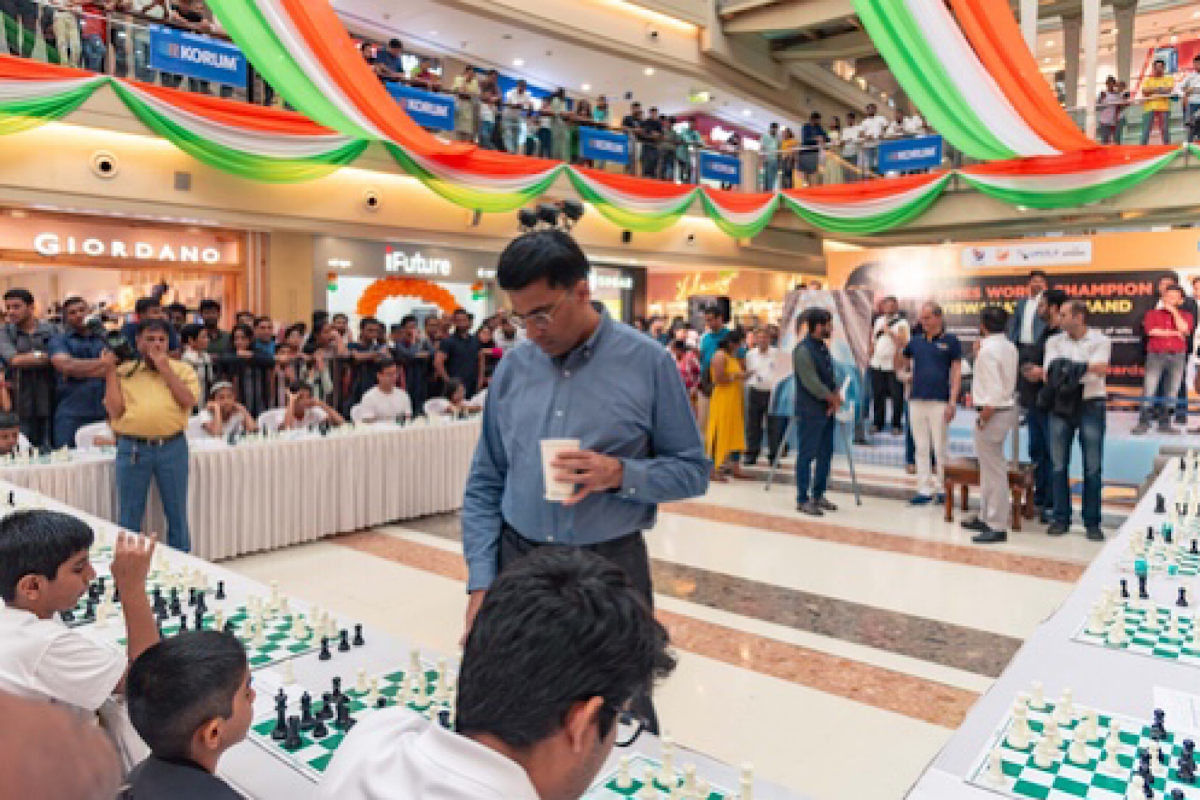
(694, 284)
(603, 145)
(1020, 256)
(196, 56)
(53, 244)
(429, 110)
(924, 152)
(416, 264)
(716, 167)
(611, 281)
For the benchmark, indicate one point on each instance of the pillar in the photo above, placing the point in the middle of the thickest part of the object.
(1029, 24)
(1125, 14)
(1091, 57)
(1072, 35)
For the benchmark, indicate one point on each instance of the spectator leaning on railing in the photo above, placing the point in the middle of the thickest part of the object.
(769, 150)
(1157, 90)
(1189, 88)
(1110, 106)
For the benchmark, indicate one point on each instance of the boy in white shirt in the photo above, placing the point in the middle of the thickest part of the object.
(44, 571)
(306, 411)
(385, 401)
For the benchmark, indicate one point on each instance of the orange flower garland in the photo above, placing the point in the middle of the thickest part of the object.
(382, 289)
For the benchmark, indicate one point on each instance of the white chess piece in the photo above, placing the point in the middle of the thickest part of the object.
(689, 778)
(1152, 623)
(373, 693)
(360, 683)
(414, 664)
(1137, 788)
(289, 674)
(666, 772)
(260, 633)
(1043, 753)
(624, 779)
(1077, 752)
(1117, 635)
(1018, 733)
(1095, 625)
(1053, 732)
(219, 620)
(747, 782)
(300, 628)
(996, 766)
(1064, 712)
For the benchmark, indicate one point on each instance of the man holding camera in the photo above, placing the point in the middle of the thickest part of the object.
(82, 358)
(149, 400)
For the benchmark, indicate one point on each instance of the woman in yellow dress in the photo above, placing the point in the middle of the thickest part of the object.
(726, 432)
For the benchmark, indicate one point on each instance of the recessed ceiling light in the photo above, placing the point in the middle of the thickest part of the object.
(648, 71)
(1196, 15)
(518, 62)
(1047, 60)
(1049, 43)
(747, 112)
(587, 87)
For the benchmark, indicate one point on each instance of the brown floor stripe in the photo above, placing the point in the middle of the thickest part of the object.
(1033, 566)
(882, 688)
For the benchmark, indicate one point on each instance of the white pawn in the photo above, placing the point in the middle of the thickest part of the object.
(373, 694)
(300, 630)
(1064, 712)
(219, 620)
(689, 778)
(1095, 625)
(1137, 788)
(1152, 624)
(260, 633)
(360, 684)
(414, 664)
(666, 772)
(289, 674)
(1018, 734)
(1053, 732)
(747, 782)
(624, 779)
(1077, 753)
(1043, 753)
(996, 766)
(1037, 699)
(1117, 635)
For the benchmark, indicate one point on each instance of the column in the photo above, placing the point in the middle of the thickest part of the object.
(1072, 34)
(1091, 56)
(1125, 14)
(1029, 24)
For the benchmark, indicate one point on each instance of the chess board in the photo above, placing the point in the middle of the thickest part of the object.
(313, 755)
(278, 641)
(644, 770)
(1153, 643)
(1188, 565)
(1063, 780)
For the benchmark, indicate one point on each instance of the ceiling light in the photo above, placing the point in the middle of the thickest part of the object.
(648, 71)
(1049, 43)
(587, 87)
(518, 62)
(1047, 60)
(1196, 15)
(747, 112)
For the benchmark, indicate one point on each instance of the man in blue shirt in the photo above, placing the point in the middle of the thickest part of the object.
(147, 308)
(389, 63)
(264, 336)
(579, 375)
(714, 320)
(81, 359)
(936, 361)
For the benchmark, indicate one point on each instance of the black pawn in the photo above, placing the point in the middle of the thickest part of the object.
(89, 611)
(280, 731)
(220, 590)
(344, 721)
(358, 637)
(381, 702)
(192, 598)
(1182, 601)
(1177, 794)
(344, 644)
(1143, 594)
(1195, 547)
(157, 597)
(306, 713)
(337, 689)
(201, 602)
(68, 616)
(1168, 536)
(326, 711)
(293, 740)
(1124, 589)
(199, 621)
(182, 624)
(319, 731)
(230, 628)
(325, 654)
(176, 608)
(1160, 505)
(1158, 731)
(1150, 534)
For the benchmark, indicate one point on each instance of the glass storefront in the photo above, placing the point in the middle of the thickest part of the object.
(756, 296)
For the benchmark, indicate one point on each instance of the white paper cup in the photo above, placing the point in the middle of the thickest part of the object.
(556, 491)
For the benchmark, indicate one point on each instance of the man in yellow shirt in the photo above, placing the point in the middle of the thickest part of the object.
(148, 402)
(1157, 90)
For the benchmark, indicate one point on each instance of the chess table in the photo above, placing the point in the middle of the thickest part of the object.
(297, 488)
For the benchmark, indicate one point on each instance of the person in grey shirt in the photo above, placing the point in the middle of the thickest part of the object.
(579, 375)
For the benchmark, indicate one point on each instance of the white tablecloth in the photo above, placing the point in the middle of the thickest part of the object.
(261, 496)
(1100, 678)
(261, 776)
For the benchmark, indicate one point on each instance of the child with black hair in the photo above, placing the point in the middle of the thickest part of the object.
(10, 435)
(305, 411)
(44, 571)
(190, 699)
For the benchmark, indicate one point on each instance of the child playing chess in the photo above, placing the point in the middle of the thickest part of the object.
(224, 415)
(190, 698)
(44, 571)
(306, 411)
(10, 435)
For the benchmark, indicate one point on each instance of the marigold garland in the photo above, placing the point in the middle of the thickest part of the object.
(382, 289)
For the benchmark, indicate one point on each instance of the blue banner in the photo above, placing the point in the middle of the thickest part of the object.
(196, 56)
(717, 167)
(427, 109)
(903, 155)
(601, 145)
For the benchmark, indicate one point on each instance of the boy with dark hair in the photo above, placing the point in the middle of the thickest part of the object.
(44, 571)
(306, 411)
(570, 627)
(10, 434)
(190, 700)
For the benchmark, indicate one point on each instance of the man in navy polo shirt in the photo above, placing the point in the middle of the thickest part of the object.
(936, 361)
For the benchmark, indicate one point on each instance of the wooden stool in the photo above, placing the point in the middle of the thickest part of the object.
(964, 473)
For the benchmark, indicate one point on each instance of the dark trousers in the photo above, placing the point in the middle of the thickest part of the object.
(814, 455)
(21, 23)
(886, 386)
(757, 409)
(37, 430)
(627, 552)
(1089, 423)
(1038, 422)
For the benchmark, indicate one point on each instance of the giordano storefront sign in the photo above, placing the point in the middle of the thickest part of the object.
(52, 244)
(115, 243)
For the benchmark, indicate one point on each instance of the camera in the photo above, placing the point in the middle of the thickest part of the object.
(113, 340)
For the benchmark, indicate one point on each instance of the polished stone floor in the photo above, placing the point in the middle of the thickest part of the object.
(836, 654)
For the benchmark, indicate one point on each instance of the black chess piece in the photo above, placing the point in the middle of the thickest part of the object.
(1150, 534)
(344, 721)
(1177, 794)
(116, 594)
(337, 689)
(176, 609)
(1158, 731)
(68, 616)
(443, 718)
(344, 644)
(191, 598)
(1168, 535)
(382, 702)
(1195, 551)
(319, 731)
(280, 731)
(220, 590)
(230, 628)
(89, 611)
(201, 601)
(1143, 594)
(199, 621)
(1160, 504)
(1124, 589)
(293, 741)
(326, 711)
(156, 596)
(325, 654)
(307, 721)
(358, 637)
(182, 624)
(1182, 601)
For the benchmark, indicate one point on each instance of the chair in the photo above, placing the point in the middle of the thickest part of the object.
(271, 419)
(479, 400)
(436, 407)
(358, 414)
(85, 437)
(195, 428)
(23, 444)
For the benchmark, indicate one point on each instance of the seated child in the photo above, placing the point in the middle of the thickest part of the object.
(190, 699)
(224, 415)
(306, 411)
(10, 435)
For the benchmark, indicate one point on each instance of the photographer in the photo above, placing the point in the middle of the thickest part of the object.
(25, 351)
(82, 358)
(891, 334)
(148, 401)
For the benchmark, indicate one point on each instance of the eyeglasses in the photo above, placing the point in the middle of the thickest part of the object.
(538, 319)
(629, 725)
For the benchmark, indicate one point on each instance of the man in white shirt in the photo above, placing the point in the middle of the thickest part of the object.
(993, 391)
(563, 620)
(914, 124)
(1088, 351)
(874, 126)
(891, 333)
(1025, 326)
(760, 383)
(385, 401)
(851, 141)
(1188, 87)
(516, 102)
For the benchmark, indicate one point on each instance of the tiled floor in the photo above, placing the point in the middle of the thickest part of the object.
(837, 654)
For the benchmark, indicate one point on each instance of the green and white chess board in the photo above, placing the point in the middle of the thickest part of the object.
(1066, 780)
(1150, 630)
(280, 639)
(646, 779)
(313, 755)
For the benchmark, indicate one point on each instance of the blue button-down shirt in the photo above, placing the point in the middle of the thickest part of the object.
(620, 394)
(82, 398)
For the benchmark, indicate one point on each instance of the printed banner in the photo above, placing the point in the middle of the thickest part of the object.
(1019, 256)
(601, 145)
(717, 167)
(427, 109)
(196, 56)
(903, 155)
